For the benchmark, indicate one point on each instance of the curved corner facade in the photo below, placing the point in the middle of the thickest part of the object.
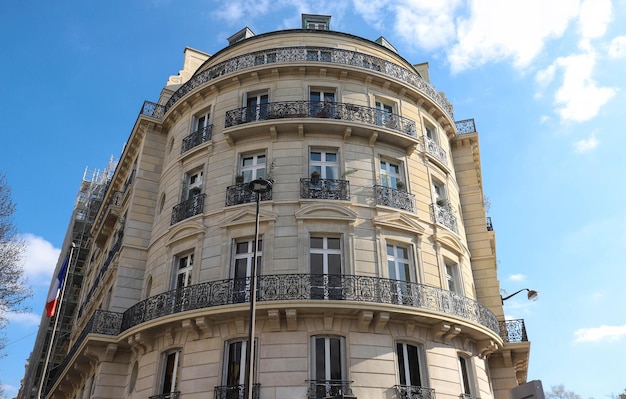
(376, 268)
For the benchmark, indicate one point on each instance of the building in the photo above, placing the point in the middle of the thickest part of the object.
(377, 271)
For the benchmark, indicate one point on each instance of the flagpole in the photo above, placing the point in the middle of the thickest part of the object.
(56, 322)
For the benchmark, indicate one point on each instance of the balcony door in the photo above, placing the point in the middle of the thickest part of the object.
(328, 377)
(242, 268)
(399, 267)
(326, 267)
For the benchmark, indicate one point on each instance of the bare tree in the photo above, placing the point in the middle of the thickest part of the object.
(13, 287)
(559, 392)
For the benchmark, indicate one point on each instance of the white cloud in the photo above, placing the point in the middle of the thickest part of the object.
(602, 333)
(579, 98)
(28, 319)
(40, 259)
(595, 16)
(617, 48)
(517, 277)
(587, 144)
(497, 30)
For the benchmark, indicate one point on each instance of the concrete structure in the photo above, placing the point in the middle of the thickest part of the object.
(378, 274)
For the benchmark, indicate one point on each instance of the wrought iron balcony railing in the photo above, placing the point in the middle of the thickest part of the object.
(394, 198)
(235, 391)
(489, 224)
(434, 149)
(300, 55)
(513, 331)
(468, 396)
(443, 214)
(465, 126)
(101, 322)
(241, 194)
(188, 208)
(414, 392)
(196, 138)
(335, 189)
(305, 287)
(316, 109)
(171, 395)
(323, 389)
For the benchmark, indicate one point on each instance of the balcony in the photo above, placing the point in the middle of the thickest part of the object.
(235, 391)
(414, 392)
(468, 396)
(465, 126)
(305, 287)
(443, 214)
(188, 208)
(331, 189)
(394, 198)
(433, 148)
(513, 330)
(171, 395)
(196, 138)
(325, 389)
(241, 194)
(315, 109)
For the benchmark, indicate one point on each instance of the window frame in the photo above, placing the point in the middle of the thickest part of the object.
(176, 372)
(407, 365)
(241, 284)
(324, 105)
(452, 276)
(326, 284)
(384, 111)
(254, 168)
(226, 371)
(193, 183)
(261, 105)
(440, 192)
(323, 165)
(467, 375)
(186, 271)
(390, 178)
(328, 358)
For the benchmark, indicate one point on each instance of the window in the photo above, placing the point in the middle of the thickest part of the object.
(234, 367)
(325, 260)
(390, 175)
(410, 365)
(171, 374)
(202, 121)
(452, 277)
(243, 258)
(431, 132)
(256, 106)
(192, 185)
(467, 377)
(439, 192)
(252, 167)
(325, 163)
(322, 103)
(184, 266)
(328, 376)
(399, 268)
(383, 113)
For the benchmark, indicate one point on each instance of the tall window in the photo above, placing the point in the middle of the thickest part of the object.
(439, 191)
(184, 266)
(399, 266)
(467, 377)
(325, 260)
(410, 364)
(324, 162)
(452, 276)
(243, 258)
(252, 167)
(171, 374)
(202, 121)
(390, 174)
(383, 113)
(431, 132)
(192, 184)
(327, 369)
(234, 367)
(322, 103)
(256, 106)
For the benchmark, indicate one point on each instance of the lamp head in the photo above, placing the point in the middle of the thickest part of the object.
(260, 186)
(533, 295)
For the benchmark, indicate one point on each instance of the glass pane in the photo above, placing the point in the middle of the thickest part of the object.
(242, 247)
(414, 365)
(248, 161)
(260, 159)
(168, 378)
(335, 358)
(390, 250)
(392, 270)
(247, 176)
(315, 96)
(331, 157)
(317, 242)
(333, 243)
(234, 364)
(320, 355)
(241, 268)
(329, 97)
(334, 264)
(180, 280)
(317, 264)
(394, 168)
(331, 172)
(315, 156)
(406, 272)
(401, 363)
(402, 253)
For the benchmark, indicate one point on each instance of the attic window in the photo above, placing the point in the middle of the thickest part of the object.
(243, 34)
(314, 21)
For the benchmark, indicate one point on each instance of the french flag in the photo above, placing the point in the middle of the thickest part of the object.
(55, 290)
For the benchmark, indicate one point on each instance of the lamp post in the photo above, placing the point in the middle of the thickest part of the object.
(532, 294)
(258, 186)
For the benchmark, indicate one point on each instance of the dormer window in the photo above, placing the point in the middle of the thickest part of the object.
(317, 22)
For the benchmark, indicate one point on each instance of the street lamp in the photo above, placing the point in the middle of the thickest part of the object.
(258, 186)
(532, 294)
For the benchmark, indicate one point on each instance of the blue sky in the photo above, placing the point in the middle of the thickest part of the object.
(544, 81)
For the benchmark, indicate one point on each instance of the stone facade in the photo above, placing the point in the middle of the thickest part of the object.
(377, 278)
